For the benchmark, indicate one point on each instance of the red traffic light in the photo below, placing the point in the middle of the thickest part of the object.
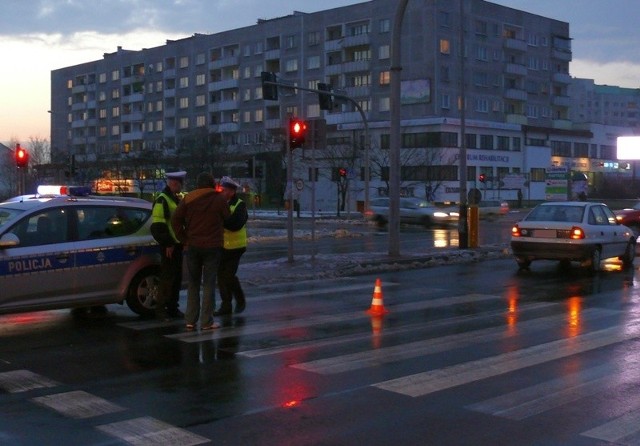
(482, 178)
(342, 172)
(297, 133)
(22, 157)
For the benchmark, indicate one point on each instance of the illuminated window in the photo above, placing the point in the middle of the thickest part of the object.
(445, 46)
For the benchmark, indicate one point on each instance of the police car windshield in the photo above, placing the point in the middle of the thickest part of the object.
(7, 214)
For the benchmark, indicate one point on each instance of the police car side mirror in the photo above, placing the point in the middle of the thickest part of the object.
(9, 241)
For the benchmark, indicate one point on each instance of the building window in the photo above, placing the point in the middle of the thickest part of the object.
(313, 38)
(200, 58)
(201, 79)
(183, 82)
(184, 62)
(313, 62)
(115, 75)
(115, 112)
(115, 130)
(384, 104)
(445, 46)
(482, 105)
(290, 42)
(486, 142)
(445, 101)
(384, 52)
(503, 142)
(385, 78)
(384, 25)
(258, 115)
(115, 93)
(102, 78)
(183, 123)
(184, 102)
(200, 100)
(291, 65)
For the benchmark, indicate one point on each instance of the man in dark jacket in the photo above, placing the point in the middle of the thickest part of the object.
(235, 244)
(198, 224)
(171, 252)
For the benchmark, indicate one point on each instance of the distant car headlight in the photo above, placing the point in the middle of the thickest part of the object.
(454, 214)
(440, 214)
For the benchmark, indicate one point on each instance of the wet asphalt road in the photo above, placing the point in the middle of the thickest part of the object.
(468, 354)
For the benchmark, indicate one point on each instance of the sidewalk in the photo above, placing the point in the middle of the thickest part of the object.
(325, 266)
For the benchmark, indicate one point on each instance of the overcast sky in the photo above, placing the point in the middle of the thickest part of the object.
(37, 36)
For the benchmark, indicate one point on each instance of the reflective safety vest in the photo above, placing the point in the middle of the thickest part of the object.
(163, 209)
(235, 239)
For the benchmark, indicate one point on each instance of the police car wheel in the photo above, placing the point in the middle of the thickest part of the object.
(143, 291)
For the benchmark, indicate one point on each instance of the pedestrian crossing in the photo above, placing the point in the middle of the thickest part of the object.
(532, 319)
(431, 330)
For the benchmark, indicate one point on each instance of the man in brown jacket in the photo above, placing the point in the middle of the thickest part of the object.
(198, 224)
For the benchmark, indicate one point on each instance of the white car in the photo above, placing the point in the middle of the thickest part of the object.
(412, 211)
(65, 251)
(572, 231)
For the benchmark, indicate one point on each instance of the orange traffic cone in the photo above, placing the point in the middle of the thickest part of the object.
(377, 307)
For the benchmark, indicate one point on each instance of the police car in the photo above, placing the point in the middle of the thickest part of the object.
(61, 250)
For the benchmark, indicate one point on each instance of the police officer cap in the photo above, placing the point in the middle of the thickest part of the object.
(229, 182)
(179, 175)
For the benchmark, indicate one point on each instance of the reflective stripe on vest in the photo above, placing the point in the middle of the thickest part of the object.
(235, 239)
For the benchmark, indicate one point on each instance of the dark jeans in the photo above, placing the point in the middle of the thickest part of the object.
(202, 265)
(228, 282)
(170, 282)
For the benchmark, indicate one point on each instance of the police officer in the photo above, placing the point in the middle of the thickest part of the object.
(171, 260)
(235, 244)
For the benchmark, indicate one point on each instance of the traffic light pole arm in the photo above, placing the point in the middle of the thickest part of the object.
(367, 172)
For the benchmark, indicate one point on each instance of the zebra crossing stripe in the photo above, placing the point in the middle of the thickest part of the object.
(191, 337)
(391, 331)
(147, 431)
(24, 380)
(396, 353)
(533, 400)
(424, 383)
(78, 404)
(619, 430)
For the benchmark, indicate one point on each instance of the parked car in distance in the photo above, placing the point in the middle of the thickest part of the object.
(630, 217)
(490, 209)
(412, 211)
(569, 231)
(60, 251)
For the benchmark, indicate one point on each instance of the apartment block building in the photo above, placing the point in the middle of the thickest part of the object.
(197, 102)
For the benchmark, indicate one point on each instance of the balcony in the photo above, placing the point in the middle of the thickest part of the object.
(332, 70)
(562, 78)
(223, 105)
(516, 69)
(564, 124)
(223, 85)
(333, 45)
(516, 119)
(359, 40)
(232, 61)
(273, 124)
(272, 54)
(515, 44)
(358, 65)
(562, 101)
(227, 127)
(515, 94)
(561, 55)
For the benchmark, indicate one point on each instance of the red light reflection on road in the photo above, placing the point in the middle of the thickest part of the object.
(574, 321)
(512, 308)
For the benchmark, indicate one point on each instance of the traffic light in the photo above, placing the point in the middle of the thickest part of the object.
(22, 157)
(249, 170)
(325, 99)
(342, 172)
(297, 133)
(482, 178)
(269, 91)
